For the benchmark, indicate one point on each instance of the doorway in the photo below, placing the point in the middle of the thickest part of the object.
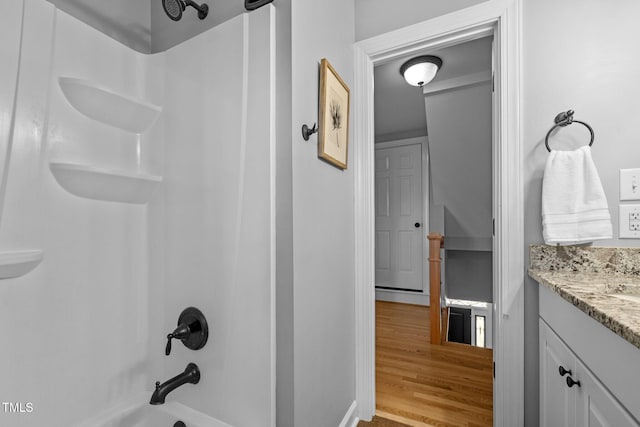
(450, 119)
(437, 180)
(500, 19)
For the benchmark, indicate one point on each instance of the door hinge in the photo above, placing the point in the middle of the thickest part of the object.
(494, 370)
(493, 226)
(493, 82)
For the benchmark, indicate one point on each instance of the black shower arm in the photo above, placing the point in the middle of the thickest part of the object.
(194, 5)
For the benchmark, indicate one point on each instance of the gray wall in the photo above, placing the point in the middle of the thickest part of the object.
(323, 238)
(459, 126)
(596, 76)
(468, 275)
(375, 17)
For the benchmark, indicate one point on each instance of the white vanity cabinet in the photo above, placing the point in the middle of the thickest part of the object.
(557, 401)
(588, 375)
(595, 406)
(570, 394)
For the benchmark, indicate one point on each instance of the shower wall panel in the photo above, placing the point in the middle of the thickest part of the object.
(10, 34)
(76, 328)
(219, 222)
(86, 328)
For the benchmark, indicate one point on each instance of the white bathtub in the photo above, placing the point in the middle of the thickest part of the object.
(137, 412)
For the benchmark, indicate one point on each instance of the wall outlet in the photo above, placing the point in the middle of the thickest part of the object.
(629, 221)
(629, 184)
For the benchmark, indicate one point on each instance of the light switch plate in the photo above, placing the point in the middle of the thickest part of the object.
(629, 184)
(629, 221)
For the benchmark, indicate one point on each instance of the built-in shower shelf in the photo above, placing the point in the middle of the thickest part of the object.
(18, 263)
(105, 184)
(109, 107)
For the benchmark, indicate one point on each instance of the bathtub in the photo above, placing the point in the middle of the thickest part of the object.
(137, 412)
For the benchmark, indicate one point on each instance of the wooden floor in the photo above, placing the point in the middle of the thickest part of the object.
(420, 384)
(381, 422)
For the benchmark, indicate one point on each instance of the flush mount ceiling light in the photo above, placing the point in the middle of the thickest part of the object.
(420, 70)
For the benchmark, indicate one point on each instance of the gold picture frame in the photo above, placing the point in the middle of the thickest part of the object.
(333, 133)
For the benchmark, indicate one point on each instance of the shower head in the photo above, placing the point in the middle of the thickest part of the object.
(174, 8)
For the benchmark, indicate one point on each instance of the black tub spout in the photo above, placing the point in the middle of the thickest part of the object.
(191, 375)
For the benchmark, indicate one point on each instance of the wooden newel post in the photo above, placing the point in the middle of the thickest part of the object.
(436, 241)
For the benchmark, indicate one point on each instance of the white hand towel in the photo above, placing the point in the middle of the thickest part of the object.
(574, 207)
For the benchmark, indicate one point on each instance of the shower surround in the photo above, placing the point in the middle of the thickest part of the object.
(85, 330)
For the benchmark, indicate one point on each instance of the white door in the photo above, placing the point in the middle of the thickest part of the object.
(399, 228)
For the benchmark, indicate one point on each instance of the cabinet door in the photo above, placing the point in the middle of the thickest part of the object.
(557, 400)
(596, 407)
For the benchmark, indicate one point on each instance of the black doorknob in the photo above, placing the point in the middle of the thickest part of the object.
(563, 371)
(571, 382)
(416, 225)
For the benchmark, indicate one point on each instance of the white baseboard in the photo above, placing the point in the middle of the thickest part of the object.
(350, 418)
(417, 298)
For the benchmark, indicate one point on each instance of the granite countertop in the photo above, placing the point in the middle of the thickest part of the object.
(605, 297)
(604, 283)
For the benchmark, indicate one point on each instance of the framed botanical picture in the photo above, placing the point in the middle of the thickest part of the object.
(334, 117)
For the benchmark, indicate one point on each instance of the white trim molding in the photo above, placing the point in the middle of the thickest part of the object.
(405, 297)
(502, 19)
(364, 231)
(350, 419)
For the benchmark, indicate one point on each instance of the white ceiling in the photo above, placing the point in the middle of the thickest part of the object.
(399, 108)
(127, 21)
(131, 21)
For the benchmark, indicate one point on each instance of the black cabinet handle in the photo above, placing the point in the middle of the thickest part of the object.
(571, 382)
(563, 371)
(417, 225)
